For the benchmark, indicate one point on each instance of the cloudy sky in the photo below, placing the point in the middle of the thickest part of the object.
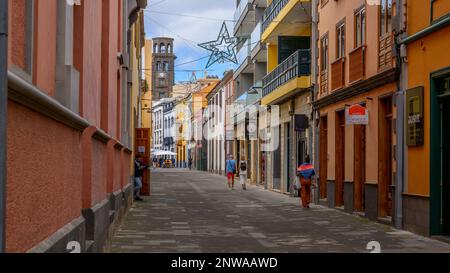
(190, 22)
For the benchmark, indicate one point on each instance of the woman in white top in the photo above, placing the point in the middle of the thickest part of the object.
(243, 172)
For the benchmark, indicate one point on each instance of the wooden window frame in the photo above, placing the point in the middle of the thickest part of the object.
(358, 12)
(386, 25)
(324, 37)
(340, 25)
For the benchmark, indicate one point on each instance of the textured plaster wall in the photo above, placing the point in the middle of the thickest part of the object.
(44, 174)
(98, 172)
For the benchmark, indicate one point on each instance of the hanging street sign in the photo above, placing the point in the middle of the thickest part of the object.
(356, 115)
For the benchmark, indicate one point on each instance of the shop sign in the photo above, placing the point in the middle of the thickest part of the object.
(414, 116)
(356, 115)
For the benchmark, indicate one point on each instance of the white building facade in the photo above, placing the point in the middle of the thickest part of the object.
(169, 126)
(158, 123)
(215, 131)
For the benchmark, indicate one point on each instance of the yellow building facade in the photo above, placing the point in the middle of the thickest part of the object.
(146, 98)
(286, 91)
(426, 77)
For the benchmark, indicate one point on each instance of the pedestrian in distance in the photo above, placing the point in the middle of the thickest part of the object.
(139, 168)
(231, 171)
(243, 172)
(155, 162)
(161, 162)
(190, 163)
(306, 172)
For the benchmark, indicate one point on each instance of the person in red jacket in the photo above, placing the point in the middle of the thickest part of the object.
(306, 172)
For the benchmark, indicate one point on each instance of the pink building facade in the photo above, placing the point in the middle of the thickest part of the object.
(69, 134)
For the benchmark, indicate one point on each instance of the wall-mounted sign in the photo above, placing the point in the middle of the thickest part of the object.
(414, 116)
(301, 122)
(356, 115)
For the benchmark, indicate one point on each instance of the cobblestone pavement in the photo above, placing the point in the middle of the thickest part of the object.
(191, 212)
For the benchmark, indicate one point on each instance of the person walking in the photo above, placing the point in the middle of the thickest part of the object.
(306, 172)
(231, 171)
(161, 162)
(243, 172)
(190, 163)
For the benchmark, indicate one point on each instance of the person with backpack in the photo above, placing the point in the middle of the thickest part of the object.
(243, 172)
(306, 172)
(231, 171)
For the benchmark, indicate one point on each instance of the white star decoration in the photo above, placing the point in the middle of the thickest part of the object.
(223, 41)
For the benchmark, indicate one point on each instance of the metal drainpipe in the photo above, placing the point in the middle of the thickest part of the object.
(3, 113)
(400, 153)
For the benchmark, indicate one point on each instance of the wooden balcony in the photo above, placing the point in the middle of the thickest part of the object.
(385, 44)
(357, 63)
(338, 74)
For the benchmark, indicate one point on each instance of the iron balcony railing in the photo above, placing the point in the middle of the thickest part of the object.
(296, 65)
(272, 12)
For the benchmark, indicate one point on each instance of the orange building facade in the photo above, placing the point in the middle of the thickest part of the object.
(68, 136)
(425, 78)
(357, 66)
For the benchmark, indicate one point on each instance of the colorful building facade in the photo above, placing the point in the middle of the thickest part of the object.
(425, 78)
(68, 123)
(357, 67)
(286, 91)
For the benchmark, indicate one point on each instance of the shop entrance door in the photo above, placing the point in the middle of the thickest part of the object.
(340, 158)
(360, 167)
(323, 157)
(385, 157)
(445, 155)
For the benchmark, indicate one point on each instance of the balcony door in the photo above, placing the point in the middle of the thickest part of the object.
(287, 45)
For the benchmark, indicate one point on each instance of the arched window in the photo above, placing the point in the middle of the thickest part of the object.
(155, 48)
(162, 48)
(158, 66)
(166, 66)
(169, 48)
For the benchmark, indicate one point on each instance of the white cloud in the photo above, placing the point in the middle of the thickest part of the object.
(201, 22)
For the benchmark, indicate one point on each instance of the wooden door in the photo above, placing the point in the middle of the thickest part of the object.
(288, 157)
(385, 157)
(359, 167)
(445, 112)
(276, 163)
(323, 157)
(142, 148)
(340, 158)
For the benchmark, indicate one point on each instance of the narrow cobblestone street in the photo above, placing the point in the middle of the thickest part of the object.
(195, 212)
